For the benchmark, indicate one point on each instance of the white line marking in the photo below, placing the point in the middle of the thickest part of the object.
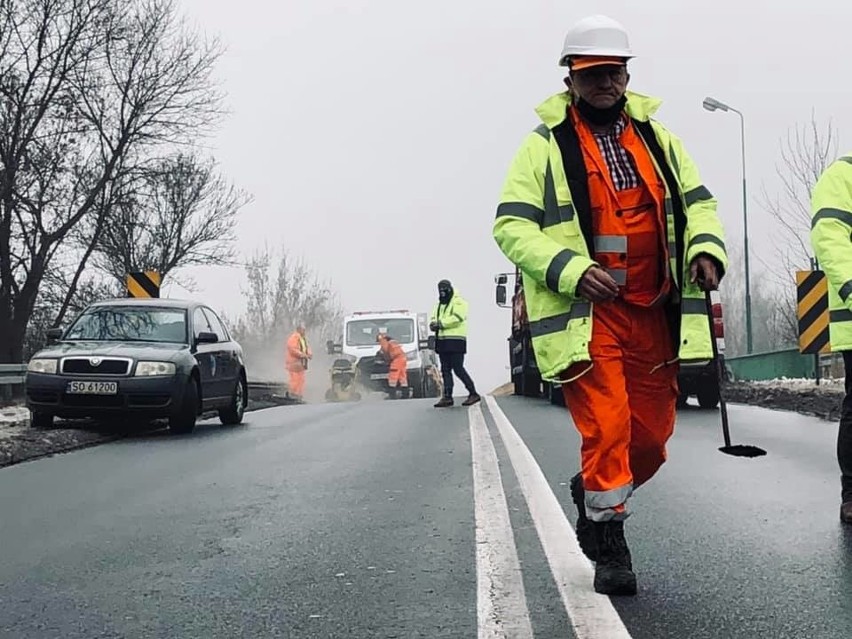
(501, 602)
(592, 615)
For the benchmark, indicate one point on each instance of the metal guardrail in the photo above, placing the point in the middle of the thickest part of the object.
(11, 375)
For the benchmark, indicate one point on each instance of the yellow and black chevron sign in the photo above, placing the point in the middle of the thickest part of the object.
(812, 311)
(143, 284)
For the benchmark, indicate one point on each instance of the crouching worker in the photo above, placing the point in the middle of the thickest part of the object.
(392, 353)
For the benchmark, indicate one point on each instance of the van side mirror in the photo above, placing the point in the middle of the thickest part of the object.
(501, 295)
(329, 347)
(432, 342)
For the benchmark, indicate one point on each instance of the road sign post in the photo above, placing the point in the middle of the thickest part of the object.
(143, 284)
(813, 316)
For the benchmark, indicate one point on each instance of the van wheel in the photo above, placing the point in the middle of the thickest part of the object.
(708, 398)
(183, 421)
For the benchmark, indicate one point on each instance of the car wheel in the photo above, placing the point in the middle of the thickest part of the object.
(233, 414)
(183, 421)
(41, 420)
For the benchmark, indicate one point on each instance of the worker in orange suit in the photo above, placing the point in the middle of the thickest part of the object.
(392, 353)
(618, 242)
(298, 354)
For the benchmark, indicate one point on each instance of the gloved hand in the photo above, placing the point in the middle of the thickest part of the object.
(435, 326)
(703, 271)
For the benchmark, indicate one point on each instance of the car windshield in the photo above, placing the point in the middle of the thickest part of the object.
(363, 332)
(130, 324)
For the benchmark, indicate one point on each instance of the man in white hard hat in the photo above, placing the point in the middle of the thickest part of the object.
(618, 240)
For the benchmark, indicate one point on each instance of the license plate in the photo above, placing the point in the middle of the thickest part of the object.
(92, 388)
(379, 376)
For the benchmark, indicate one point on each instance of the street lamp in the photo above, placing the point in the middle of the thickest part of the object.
(711, 104)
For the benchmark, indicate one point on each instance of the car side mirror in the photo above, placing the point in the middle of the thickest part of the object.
(206, 337)
(53, 335)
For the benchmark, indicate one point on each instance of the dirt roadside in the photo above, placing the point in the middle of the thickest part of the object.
(799, 396)
(19, 442)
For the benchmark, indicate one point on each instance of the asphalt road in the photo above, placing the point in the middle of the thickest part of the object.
(391, 519)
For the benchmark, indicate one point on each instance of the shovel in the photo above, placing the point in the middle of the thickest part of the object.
(738, 450)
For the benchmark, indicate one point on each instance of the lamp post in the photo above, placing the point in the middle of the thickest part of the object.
(711, 104)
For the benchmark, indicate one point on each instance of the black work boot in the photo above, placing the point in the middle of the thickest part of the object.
(445, 402)
(472, 399)
(614, 568)
(585, 529)
(846, 512)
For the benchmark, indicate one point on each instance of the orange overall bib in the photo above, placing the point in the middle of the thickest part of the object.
(397, 364)
(624, 407)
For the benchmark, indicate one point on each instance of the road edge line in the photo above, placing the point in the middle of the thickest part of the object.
(591, 615)
(501, 603)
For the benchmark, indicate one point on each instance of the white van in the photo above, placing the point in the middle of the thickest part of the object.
(358, 345)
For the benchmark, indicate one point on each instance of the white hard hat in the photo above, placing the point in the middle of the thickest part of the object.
(596, 35)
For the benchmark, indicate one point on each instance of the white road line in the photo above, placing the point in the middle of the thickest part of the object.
(501, 602)
(592, 615)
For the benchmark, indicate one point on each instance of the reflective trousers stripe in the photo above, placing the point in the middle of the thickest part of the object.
(601, 500)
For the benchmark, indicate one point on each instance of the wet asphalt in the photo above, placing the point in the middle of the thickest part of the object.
(357, 520)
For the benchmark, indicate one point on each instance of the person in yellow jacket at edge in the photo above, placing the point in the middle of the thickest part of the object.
(617, 240)
(831, 238)
(449, 323)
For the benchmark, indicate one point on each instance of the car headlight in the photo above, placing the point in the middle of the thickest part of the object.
(154, 369)
(413, 356)
(46, 366)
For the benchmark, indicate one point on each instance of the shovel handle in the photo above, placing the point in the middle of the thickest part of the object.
(720, 371)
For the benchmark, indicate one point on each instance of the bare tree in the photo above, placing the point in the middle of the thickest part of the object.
(282, 292)
(181, 214)
(772, 326)
(805, 153)
(87, 89)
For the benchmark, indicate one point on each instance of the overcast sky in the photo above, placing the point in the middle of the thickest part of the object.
(375, 134)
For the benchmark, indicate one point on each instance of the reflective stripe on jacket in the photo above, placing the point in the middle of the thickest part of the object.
(831, 238)
(543, 227)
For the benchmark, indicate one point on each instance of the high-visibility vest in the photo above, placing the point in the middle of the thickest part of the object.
(453, 319)
(831, 238)
(544, 226)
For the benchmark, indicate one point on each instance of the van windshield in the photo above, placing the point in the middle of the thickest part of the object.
(363, 332)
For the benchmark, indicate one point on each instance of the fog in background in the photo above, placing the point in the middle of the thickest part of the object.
(375, 134)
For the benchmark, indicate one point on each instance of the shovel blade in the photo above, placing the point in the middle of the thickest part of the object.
(741, 450)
